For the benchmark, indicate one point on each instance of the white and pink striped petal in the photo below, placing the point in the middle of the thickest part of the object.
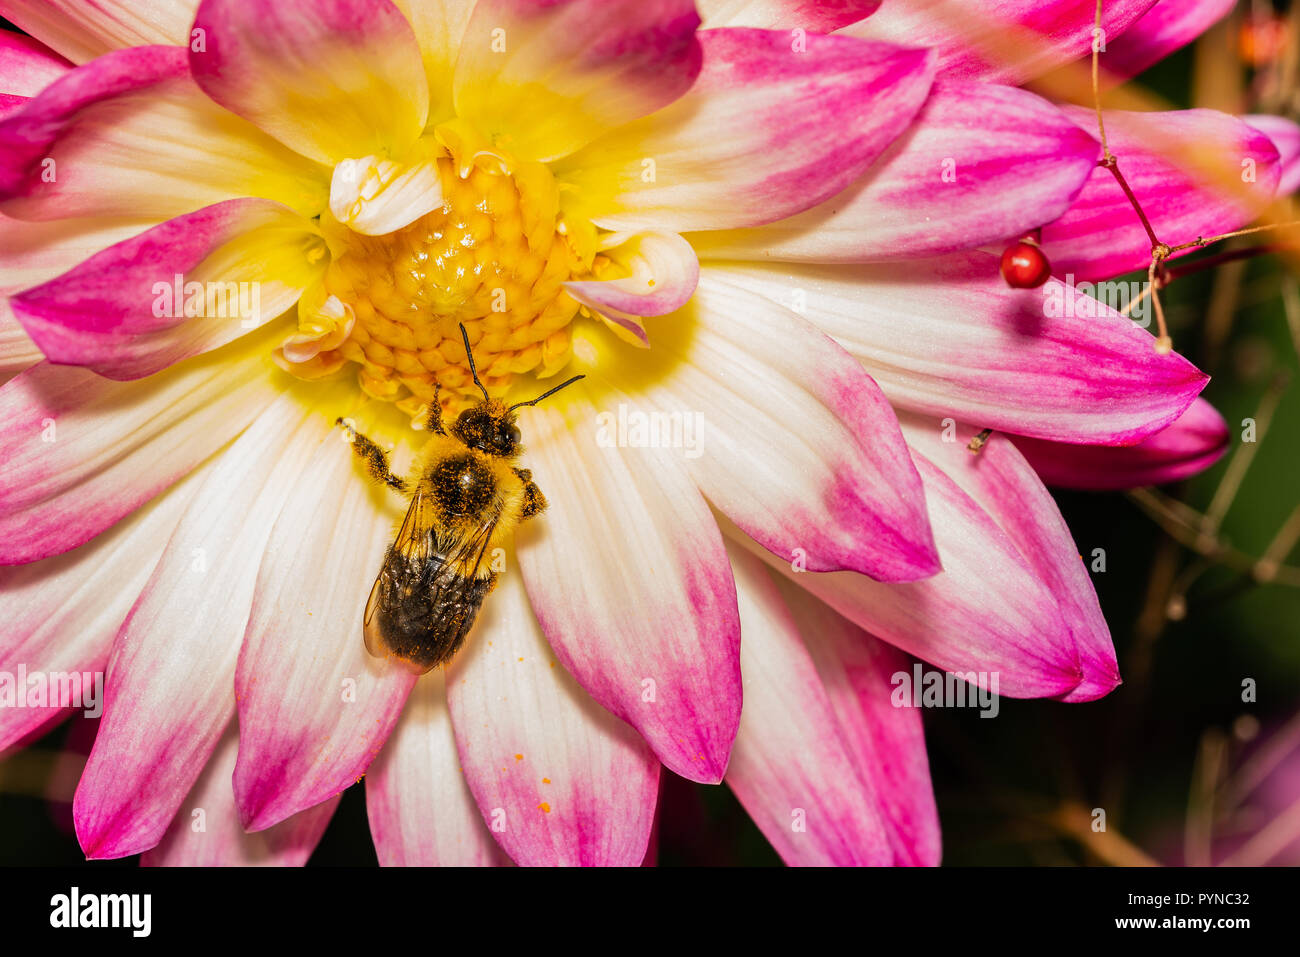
(773, 126)
(948, 336)
(628, 576)
(558, 779)
(421, 811)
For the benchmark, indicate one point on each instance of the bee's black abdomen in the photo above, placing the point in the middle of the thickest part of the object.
(424, 609)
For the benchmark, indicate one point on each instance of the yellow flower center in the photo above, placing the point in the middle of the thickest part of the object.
(494, 256)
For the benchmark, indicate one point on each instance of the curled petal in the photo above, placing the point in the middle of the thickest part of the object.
(661, 273)
(421, 811)
(980, 163)
(559, 780)
(185, 287)
(1190, 445)
(684, 632)
(544, 79)
(1008, 41)
(330, 79)
(84, 29)
(82, 451)
(1100, 235)
(770, 128)
(222, 842)
(1005, 486)
(790, 766)
(948, 336)
(374, 195)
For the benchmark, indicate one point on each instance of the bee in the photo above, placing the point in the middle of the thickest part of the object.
(466, 498)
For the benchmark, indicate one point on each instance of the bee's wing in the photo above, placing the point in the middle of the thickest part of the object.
(446, 577)
(414, 546)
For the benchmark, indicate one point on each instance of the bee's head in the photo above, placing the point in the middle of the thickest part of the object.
(489, 427)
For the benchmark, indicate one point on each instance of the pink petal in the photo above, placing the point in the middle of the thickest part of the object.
(663, 275)
(1285, 135)
(127, 312)
(1100, 236)
(558, 779)
(653, 601)
(62, 613)
(986, 612)
(1168, 26)
(27, 66)
(84, 29)
(813, 16)
(1009, 41)
(33, 253)
(81, 451)
(819, 473)
(331, 79)
(421, 811)
(887, 744)
(314, 707)
(722, 155)
(1193, 443)
(948, 336)
(206, 831)
(571, 70)
(1005, 486)
(980, 163)
(790, 767)
(170, 683)
(130, 135)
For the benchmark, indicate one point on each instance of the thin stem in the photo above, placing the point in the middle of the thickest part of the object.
(1096, 85)
(1209, 262)
(1207, 240)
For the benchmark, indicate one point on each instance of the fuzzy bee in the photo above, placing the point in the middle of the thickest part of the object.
(466, 498)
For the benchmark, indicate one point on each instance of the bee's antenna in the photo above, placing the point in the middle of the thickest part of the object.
(549, 392)
(470, 355)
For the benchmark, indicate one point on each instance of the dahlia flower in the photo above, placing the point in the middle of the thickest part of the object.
(773, 225)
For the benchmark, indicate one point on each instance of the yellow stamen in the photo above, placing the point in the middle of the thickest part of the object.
(493, 256)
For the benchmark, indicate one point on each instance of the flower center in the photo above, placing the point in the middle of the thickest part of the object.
(494, 256)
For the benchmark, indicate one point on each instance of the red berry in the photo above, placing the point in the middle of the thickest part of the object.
(1024, 266)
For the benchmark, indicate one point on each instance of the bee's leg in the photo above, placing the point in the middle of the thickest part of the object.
(376, 459)
(434, 421)
(534, 500)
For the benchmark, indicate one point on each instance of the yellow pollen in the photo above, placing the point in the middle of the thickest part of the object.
(493, 256)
